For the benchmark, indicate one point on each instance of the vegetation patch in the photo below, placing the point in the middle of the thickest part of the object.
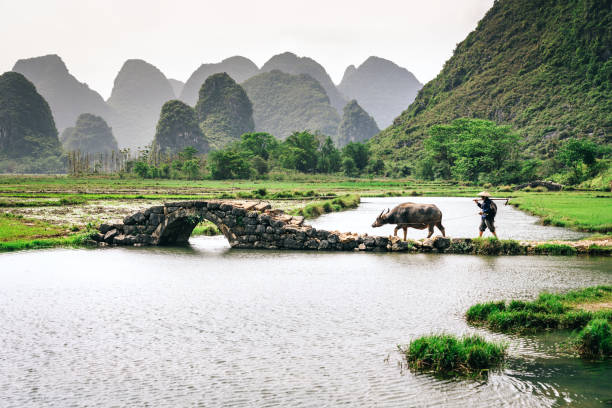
(494, 246)
(555, 249)
(548, 311)
(595, 340)
(317, 208)
(206, 228)
(446, 354)
(584, 212)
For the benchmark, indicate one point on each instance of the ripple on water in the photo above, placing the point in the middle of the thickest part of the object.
(206, 326)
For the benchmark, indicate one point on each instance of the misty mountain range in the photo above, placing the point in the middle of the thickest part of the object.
(381, 87)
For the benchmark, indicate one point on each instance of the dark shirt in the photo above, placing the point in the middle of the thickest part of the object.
(486, 208)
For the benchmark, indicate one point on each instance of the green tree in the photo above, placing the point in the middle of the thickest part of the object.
(470, 149)
(178, 129)
(300, 152)
(359, 152)
(349, 167)
(329, 160)
(258, 144)
(580, 157)
(191, 168)
(228, 164)
(142, 169)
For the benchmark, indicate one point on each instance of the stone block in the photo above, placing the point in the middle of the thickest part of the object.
(291, 243)
(212, 206)
(155, 218)
(312, 244)
(110, 235)
(238, 212)
(381, 241)
(260, 229)
(263, 206)
(263, 218)
(104, 228)
(324, 244)
(158, 209)
(441, 243)
(226, 207)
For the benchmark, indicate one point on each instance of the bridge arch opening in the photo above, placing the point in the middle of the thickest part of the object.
(179, 225)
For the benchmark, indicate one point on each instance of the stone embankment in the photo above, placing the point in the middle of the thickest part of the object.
(255, 225)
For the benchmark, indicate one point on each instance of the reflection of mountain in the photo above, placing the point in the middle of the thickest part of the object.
(138, 94)
(284, 103)
(292, 64)
(381, 87)
(67, 97)
(239, 68)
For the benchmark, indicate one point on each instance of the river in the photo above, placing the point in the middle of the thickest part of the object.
(204, 325)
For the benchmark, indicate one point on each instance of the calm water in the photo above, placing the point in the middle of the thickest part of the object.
(209, 326)
(459, 217)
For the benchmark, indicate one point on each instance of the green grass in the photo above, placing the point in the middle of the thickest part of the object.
(15, 228)
(595, 340)
(74, 240)
(548, 311)
(449, 355)
(317, 208)
(206, 228)
(584, 212)
(555, 249)
(494, 246)
(17, 232)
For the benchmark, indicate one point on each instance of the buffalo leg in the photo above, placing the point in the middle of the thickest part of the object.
(431, 230)
(395, 231)
(405, 231)
(441, 228)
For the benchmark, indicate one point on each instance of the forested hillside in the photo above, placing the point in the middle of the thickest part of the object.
(541, 66)
(285, 103)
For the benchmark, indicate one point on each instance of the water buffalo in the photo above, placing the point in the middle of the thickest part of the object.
(419, 216)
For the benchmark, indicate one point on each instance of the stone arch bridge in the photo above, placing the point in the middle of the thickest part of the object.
(244, 224)
(249, 225)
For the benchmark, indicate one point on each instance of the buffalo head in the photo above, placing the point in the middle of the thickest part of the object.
(381, 219)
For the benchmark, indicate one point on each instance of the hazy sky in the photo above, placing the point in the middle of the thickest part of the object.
(95, 37)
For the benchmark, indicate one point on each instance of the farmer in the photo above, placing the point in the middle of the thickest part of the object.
(489, 209)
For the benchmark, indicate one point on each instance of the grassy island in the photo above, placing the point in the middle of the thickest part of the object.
(588, 310)
(446, 354)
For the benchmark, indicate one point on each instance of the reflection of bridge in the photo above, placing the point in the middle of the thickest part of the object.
(244, 224)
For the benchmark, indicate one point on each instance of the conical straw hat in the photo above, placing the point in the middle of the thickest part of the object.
(484, 194)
